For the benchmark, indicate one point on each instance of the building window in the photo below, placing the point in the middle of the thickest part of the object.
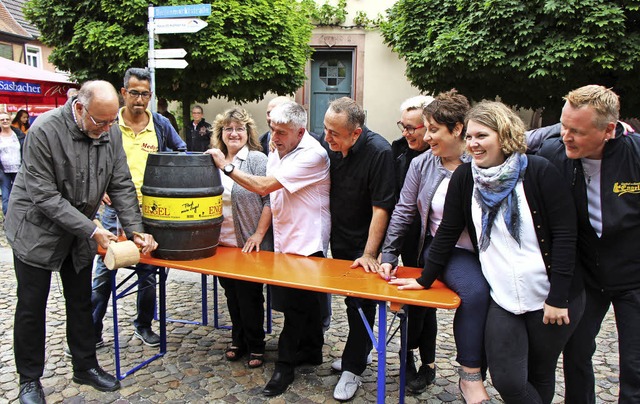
(34, 56)
(332, 72)
(6, 51)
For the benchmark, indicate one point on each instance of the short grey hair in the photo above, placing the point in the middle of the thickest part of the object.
(140, 73)
(417, 102)
(290, 112)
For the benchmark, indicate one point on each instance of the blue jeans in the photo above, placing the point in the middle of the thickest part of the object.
(463, 275)
(578, 369)
(102, 286)
(6, 183)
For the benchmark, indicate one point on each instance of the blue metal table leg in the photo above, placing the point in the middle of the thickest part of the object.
(403, 352)
(380, 344)
(116, 333)
(115, 296)
(205, 307)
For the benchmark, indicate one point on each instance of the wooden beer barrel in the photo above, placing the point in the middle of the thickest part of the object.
(182, 204)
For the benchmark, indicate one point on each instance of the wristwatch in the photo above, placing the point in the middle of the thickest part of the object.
(228, 169)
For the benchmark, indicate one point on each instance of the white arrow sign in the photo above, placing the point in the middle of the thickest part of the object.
(178, 25)
(169, 53)
(171, 63)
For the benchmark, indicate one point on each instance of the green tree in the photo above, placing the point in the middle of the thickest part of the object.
(528, 52)
(249, 47)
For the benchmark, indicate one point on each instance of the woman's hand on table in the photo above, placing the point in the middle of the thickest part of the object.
(387, 271)
(253, 243)
(406, 283)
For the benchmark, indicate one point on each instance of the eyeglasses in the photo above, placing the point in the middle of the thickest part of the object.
(135, 94)
(410, 129)
(239, 130)
(100, 124)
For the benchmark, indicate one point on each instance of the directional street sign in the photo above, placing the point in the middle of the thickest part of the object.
(169, 53)
(179, 25)
(171, 63)
(188, 10)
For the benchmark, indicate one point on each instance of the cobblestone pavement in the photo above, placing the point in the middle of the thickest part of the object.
(194, 370)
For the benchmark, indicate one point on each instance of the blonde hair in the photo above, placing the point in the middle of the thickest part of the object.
(501, 119)
(604, 102)
(239, 115)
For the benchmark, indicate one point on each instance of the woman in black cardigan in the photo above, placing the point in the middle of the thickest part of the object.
(522, 221)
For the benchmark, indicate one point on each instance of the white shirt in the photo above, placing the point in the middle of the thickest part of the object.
(516, 273)
(10, 153)
(591, 170)
(436, 213)
(301, 218)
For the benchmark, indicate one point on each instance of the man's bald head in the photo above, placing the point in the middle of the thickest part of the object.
(97, 106)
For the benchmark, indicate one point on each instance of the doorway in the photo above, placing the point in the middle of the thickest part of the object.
(331, 78)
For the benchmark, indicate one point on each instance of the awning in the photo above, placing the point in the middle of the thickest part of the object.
(23, 84)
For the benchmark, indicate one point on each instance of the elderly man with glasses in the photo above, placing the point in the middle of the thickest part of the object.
(74, 156)
(143, 132)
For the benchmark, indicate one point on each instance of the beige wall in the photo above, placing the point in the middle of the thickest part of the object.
(379, 86)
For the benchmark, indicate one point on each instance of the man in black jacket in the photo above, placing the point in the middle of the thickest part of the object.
(198, 133)
(601, 162)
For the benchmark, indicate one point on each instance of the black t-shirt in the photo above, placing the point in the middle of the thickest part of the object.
(362, 179)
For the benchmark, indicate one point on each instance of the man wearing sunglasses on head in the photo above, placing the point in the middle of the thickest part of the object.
(71, 158)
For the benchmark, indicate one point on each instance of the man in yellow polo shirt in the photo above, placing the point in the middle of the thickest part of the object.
(143, 132)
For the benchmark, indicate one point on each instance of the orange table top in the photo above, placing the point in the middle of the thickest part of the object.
(311, 273)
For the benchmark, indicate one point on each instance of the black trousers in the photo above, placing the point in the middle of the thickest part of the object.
(522, 352)
(358, 346)
(302, 331)
(245, 301)
(29, 330)
(578, 353)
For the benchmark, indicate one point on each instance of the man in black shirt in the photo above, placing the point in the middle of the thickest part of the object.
(361, 200)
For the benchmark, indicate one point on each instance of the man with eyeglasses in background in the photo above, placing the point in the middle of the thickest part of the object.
(143, 132)
(73, 155)
(198, 134)
(422, 326)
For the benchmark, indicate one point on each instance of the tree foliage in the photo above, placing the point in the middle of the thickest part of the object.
(249, 47)
(528, 52)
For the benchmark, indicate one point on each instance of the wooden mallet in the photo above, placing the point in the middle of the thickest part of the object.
(120, 253)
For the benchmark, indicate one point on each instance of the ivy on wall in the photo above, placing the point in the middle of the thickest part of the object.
(330, 15)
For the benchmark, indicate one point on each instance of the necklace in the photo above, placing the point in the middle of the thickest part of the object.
(588, 175)
(451, 163)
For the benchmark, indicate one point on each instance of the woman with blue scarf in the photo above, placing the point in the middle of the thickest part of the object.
(522, 221)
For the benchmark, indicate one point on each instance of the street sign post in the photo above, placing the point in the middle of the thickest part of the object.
(169, 53)
(171, 20)
(179, 25)
(187, 10)
(171, 63)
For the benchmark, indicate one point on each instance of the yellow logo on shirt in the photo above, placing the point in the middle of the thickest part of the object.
(622, 188)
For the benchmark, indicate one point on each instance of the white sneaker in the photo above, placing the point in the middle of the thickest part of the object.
(337, 364)
(347, 386)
